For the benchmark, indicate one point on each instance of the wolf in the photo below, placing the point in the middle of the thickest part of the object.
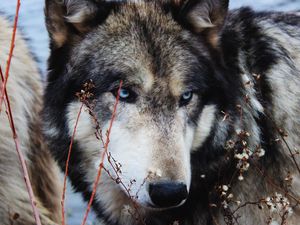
(25, 92)
(204, 105)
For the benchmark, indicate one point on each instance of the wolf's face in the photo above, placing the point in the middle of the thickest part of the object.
(166, 103)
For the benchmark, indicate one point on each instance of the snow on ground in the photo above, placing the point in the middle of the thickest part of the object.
(278, 5)
(32, 23)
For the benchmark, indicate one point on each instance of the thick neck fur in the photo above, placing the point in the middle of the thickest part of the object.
(253, 123)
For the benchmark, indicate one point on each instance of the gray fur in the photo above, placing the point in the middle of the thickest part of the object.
(24, 88)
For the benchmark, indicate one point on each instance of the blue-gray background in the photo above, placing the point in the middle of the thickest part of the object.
(32, 23)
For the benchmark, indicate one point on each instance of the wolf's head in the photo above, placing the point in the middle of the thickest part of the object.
(163, 53)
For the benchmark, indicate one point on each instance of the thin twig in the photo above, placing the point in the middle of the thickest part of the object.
(118, 180)
(12, 45)
(245, 204)
(102, 157)
(290, 150)
(20, 155)
(270, 181)
(67, 166)
(114, 164)
(280, 132)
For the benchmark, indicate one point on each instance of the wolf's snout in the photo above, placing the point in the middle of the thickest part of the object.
(167, 194)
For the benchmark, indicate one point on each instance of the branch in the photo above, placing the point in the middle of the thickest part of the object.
(245, 204)
(283, 135)
(20, 154)
(12, 45)
(104, 153)
(270, 181)
(67, 167)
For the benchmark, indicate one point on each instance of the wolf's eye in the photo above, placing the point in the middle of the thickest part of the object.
(126, 95)
(186, 98)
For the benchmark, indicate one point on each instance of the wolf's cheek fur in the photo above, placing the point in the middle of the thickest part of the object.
(146, 150)
(205, 125)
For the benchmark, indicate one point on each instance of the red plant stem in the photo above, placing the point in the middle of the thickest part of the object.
(67, 167)
(104, 153)
(7, 103)
(12, 45)
(21, 157)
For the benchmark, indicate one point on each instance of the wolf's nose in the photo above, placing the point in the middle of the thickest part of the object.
(167, 194)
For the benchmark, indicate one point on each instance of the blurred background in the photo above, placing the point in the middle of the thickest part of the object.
(32, 25)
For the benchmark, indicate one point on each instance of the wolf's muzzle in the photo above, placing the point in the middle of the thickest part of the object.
(167, 194)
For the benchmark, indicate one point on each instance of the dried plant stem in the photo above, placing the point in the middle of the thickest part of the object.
(114, 165)
(4, 97)
(20, 155)
(290, 150)
(282, 135)
(67, 167)
(104, 153)
(246, 204)
(118, 180)
(12, 45)
(271, 182)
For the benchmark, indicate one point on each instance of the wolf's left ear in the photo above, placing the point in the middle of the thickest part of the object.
(203, 15)
(69, 18)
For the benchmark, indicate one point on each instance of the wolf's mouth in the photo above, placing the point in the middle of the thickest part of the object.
(153, 207)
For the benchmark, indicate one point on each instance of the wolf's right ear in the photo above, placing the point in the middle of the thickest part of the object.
(65, 18)
(202, 16)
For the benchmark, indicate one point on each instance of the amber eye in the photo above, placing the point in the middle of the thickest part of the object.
(185, 98)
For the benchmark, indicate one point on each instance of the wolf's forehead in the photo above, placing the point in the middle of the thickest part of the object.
(146, 64)
(141, 48)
